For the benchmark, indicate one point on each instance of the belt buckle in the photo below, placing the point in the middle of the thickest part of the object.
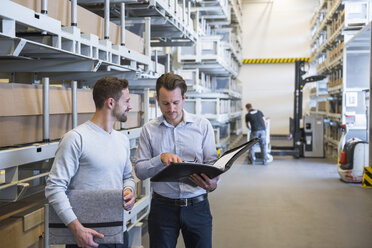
(182, 202)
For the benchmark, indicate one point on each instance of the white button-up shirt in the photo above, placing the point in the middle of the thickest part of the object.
(192, 140)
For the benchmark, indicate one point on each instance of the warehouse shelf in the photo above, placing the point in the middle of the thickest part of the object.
(133, 133)
(333, 25)
(222, 135)
(209, 56)
(64, 52)
(215, 12)
(209, 68)
(171, 23)
(235, 115)
(334, 116)
(210, 95)
(141, 207)
(319, 112)
(331, 141)
(329, 43)
(12, 188)
(229, 42)
(321, 6)
(235, 126)
(336, 63)
(348, 66)
(320, 29)
(236, 13)
(328, 66)
(67, 48)
(196, 80)
(335, 90)
(318, 95)
(11, 157)
(327, 19)
(213, 108)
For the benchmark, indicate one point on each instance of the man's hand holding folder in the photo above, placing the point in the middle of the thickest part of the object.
(201, 180)
(204, 175)
(168, 158)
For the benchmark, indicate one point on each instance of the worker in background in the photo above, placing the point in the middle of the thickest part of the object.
(256, 123)
(94, 156)
(177, 136)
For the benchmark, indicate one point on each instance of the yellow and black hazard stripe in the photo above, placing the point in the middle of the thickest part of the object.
(367, 177)
(274, 61)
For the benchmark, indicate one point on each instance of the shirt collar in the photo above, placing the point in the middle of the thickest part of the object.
(187, 117)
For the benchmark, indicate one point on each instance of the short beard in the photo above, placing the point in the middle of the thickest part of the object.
(123, 118)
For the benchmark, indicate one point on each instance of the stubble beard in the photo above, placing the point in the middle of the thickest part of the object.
(122, 117)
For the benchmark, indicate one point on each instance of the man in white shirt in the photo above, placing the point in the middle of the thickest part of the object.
(177, 136)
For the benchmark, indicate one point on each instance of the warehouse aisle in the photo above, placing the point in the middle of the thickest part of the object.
(290, 203)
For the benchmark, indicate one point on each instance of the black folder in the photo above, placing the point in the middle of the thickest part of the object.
(177, 172)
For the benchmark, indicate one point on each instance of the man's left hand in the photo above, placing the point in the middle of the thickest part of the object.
(204, 181)
(129, 199)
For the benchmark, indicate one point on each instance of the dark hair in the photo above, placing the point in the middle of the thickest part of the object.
(171, 81)
(108, 87)
(248, 106)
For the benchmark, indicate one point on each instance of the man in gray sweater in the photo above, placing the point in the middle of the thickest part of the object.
(94, 156)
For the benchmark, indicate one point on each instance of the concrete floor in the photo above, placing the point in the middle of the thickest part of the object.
(289, 203)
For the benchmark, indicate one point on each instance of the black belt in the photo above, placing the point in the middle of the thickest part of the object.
(181, 202)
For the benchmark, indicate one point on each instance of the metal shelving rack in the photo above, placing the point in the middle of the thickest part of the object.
(212, 65)
(39, 48)
(334, 23)
(171, 23)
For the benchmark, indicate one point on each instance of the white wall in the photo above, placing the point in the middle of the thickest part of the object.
(280, 29)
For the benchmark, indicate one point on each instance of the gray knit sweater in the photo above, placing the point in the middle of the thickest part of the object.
(88, 158)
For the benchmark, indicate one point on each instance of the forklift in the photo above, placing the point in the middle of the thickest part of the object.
(305, 143)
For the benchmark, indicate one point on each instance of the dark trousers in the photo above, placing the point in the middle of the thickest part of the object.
(125, 245)
(166, 220)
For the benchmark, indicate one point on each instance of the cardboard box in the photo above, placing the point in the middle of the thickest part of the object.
(87, 22)
(136, 102)
(27, 99)
(134, 120)
(31, 217)
(21, 121)
(12, 234)
(17, 130)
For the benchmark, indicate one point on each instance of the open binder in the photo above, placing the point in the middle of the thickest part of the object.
(177, 172)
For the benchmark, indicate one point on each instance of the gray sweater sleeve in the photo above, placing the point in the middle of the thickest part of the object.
(64, 167)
